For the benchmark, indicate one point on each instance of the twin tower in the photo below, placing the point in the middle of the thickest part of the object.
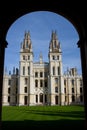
(40, 83)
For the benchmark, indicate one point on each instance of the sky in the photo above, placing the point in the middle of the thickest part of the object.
(40, 24)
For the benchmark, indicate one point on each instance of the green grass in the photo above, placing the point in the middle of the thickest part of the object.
(43, 117)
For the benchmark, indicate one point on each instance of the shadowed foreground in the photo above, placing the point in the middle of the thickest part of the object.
(54, 117)
(29, 124)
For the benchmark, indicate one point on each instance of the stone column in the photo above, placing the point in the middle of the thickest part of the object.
(3, 44)
(82, 43)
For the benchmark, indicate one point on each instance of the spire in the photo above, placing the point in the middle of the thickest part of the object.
(13, 70)
(54, 43)
(26, 45)
(68, 71)
(41, 58)
(54, 36)
(9, 72)
(27, 35)
(17, 71)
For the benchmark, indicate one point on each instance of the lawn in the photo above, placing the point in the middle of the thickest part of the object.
(45, 117)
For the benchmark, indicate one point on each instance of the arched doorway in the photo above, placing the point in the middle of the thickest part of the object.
(25, 100)
(41, 98)
(56, 100)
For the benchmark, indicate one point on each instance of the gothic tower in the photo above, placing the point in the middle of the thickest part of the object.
(56, 90)
(25, 92)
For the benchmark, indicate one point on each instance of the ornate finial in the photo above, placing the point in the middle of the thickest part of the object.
(40, 54)
(41, 57)
(28, 32)
(21, 45)
(13, 70)
(67, 70)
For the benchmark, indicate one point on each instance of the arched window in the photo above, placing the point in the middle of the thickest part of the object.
(25, 89)
(56, 89)
(53, 70)
(56, 99)
(25, 100)
(23, 70)
(36, 83)
(9, 90)
(73, 98)
(26, 80)
(41, 97)
(9, 99)
(36, 98)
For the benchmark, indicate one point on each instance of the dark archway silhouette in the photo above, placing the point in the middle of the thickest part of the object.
(76, 14)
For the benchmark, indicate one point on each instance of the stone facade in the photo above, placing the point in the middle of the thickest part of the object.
(42, 83)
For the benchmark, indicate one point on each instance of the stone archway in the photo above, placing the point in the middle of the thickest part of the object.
(74, 15)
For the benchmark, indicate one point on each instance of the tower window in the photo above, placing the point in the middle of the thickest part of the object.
(36, 83)
(73, 98)
(72, 90)
(65, 90)
(73, 82)
(58, 70)
(56, 80)
(36, 74)
(23, 57)
(64, 82)
(53, 57)
(57, 57)
(56, 89)
(26, 80)
(25, 89)
(45, 83)
(41, 74)
(9, 90)
(23, 70)
(53, 70)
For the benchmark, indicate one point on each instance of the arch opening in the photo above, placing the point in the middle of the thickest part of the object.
(46, 32)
